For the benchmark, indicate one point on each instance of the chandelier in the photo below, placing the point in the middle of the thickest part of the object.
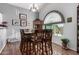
(33, 8)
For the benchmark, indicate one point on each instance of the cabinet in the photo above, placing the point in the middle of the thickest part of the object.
(37, 24)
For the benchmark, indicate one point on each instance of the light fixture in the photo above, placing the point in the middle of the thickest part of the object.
(34, 7)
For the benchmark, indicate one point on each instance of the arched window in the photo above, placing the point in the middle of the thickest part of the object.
(1, 18)
(53, 17)
(54, 20)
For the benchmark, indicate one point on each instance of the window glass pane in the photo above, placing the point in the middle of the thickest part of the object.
(52, 17)
(58, 29)
(51, 21)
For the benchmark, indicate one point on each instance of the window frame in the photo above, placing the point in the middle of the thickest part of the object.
(59, 22)
(61, 15)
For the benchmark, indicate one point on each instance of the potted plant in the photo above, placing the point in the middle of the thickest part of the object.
(65, 42)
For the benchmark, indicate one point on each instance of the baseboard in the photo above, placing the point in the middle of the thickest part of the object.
(73, 49)
(2, 48)
(68, 47)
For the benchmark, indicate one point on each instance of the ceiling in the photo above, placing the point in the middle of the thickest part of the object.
(28, 5)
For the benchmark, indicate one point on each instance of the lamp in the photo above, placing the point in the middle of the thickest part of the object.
(34, 8)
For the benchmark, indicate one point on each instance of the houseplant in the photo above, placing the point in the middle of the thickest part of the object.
(65, 42)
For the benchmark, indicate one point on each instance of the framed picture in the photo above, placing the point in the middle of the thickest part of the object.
(22, 16)
(23, 23)
(69, 19)
(15, 22)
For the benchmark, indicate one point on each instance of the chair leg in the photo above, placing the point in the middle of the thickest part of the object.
(26, 48)
(33, 48)
(45, 48)
(29, 48)
(51, 49)
(42, 48)
(37, 47)
(50, 46)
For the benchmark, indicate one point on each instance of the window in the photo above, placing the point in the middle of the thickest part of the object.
(58, 29)
(54, 17)
(1, 18)
(54, 20)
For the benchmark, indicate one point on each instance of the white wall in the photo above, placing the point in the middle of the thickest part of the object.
(68, 10)
(11, 12)
(2, 38)
(70, 29)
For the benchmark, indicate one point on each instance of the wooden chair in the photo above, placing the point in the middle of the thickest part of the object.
(26, 42)
(47, 41)
(36, 43)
